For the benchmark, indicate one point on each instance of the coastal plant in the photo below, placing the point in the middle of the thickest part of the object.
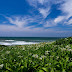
(42, 57)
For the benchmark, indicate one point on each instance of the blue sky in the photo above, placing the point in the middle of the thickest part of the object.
(36, 18)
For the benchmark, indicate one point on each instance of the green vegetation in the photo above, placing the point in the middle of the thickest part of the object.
(43, 57)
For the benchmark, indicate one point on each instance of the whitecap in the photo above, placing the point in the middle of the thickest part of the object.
(22, 43)
(17, 43)
(5, 43)
(9, 40)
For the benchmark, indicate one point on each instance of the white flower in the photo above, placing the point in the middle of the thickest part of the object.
(40, 58)
(47, 52)
(63, 49)
(69, 49)
(55, 45)
(66, 39)
(43, 56)
(36, 48)
(23, 49)
(30, 54)
(67, 46)
(20, 56)
(14, 60)
(7, 52)
(70, 59)
(35, 56)
(57, 57)
(51, 56)
(1, 66)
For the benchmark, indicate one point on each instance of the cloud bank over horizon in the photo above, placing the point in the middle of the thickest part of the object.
(38, 18)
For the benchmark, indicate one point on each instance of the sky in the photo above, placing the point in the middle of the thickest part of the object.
(35, 18)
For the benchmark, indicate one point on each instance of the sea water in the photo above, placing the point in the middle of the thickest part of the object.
(25, 40)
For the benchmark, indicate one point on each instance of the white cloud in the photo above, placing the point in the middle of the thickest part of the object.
(43, 6)
(41, 1)
(66, 8)
(20, 24)
(12, 28)
(44, 12)
(49, 23)
(57, 1)
(20, 21)
(33, 2)
(59, 19)
(70, 21)
(36, 2)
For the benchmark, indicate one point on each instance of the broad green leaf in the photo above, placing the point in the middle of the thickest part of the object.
(46, 64)
(25, 64)
(9, 69)
(63, 70)
(67, 58)
(45, 69)
(22, 67)
(6, 71)
(70, 64)
(41, 71)
(58, 66)
(52, 70)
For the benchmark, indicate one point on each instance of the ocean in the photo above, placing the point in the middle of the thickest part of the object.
(26, 40)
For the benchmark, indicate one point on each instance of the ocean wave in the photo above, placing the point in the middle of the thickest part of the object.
(17, 43)
(9, 40)
(5, 43)
(22, 43)
(41, 40)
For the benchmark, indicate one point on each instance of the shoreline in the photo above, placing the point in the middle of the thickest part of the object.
(22, 43)
(26, 40)
(31, 44)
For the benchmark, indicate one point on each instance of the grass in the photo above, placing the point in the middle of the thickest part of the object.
(43, 57)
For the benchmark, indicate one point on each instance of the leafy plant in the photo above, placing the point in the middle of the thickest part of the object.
(43, 57)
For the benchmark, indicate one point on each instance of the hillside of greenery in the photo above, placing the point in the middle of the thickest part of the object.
(42, 57)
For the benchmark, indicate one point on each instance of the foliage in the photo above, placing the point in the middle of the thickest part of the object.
(64, 41)
(43, 57)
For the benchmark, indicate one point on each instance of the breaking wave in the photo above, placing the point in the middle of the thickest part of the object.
(12, 42)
